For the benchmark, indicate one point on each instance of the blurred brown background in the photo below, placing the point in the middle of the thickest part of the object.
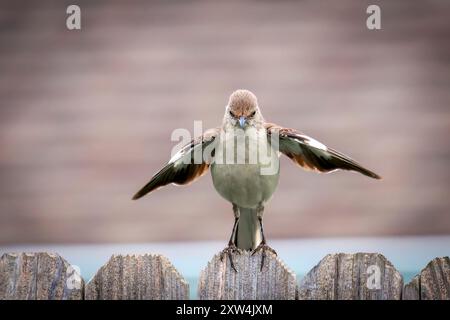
(86, 116)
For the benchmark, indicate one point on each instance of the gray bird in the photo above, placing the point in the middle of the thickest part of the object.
(243, 154)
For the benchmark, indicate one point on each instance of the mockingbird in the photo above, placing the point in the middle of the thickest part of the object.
(243, 154)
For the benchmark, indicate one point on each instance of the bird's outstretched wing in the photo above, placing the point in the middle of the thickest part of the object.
(312, 155)
(183, 168)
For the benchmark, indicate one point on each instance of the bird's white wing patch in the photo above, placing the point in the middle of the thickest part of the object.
(183, 156)
(313, 143)
(177, 156)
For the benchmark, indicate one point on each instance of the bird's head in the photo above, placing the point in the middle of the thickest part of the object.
(242, 109)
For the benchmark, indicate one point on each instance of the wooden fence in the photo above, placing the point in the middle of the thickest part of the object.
(366, 276)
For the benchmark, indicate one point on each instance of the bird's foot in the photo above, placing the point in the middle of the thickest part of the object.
(229, 251)
(264, 248)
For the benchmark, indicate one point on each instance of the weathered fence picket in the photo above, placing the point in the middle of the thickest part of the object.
(137, 277)
(38, 276)
(219, 281)
(359, 276)
(433, 282)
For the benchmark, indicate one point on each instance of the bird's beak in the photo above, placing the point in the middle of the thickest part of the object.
(242, 121)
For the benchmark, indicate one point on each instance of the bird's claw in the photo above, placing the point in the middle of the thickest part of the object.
(228, 251)
(263, 247)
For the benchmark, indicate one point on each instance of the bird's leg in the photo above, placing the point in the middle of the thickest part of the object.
(231, 248)
(263, 245)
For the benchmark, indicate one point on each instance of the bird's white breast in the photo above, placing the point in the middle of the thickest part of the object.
(246, 167)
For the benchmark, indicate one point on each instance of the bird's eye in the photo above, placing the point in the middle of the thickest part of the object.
(252, 114)
(232, 114)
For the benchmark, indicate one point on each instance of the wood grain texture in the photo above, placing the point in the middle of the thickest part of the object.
(411, 291)
(219, 281)
(352, 277)
(433, 282)
(137, 277)
(38, 276)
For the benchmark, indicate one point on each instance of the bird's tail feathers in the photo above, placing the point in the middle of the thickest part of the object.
(248, 234)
